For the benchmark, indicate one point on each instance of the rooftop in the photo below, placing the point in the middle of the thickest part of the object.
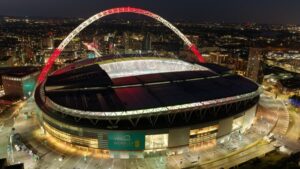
(89, 88)
(18, 71)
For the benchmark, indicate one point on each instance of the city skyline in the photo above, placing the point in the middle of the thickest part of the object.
(233, 11)
(194, 84)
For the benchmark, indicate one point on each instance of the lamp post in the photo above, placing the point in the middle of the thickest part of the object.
(11, 145)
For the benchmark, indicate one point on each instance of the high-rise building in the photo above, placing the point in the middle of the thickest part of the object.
(47, 43)
(218, 58)
(254, 68)
(126, 41)
(147, 42)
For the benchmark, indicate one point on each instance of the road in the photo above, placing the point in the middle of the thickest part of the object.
(240, 148)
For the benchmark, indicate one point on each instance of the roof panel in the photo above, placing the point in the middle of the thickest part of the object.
(136, 98)
(149, 91)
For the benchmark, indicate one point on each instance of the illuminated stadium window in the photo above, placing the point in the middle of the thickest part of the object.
(157, 141)
(62, 126)
(71, 139)
(203, 135)
(237, 123)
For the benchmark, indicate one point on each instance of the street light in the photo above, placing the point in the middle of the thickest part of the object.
(85, 158)
(11, 144)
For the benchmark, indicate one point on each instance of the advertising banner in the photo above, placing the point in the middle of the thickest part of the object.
(126, 141)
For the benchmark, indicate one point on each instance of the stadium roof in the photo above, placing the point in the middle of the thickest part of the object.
(90, 89)
(216, 68)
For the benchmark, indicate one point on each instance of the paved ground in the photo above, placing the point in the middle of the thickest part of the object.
(240, 147)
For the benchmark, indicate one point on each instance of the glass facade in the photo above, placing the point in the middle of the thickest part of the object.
(28, 86)
(157, 141)
(89, 142)
(203, 135)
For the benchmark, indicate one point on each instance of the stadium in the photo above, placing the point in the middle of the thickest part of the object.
(143, 103)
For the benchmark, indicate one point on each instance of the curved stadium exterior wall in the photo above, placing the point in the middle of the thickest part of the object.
(132, 122)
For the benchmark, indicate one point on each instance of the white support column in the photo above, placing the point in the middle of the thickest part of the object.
(249, 117)
(179, 137)
(225, 127)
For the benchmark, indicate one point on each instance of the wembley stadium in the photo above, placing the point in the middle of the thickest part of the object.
(144, 103)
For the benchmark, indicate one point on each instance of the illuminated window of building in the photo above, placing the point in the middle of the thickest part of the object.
(203, 135)
(237, 123)
(89, 142)
(157, 141)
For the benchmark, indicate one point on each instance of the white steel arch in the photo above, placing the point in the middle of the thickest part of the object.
(121, 10)
(102, 14)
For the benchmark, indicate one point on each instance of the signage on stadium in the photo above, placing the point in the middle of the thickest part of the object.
(126, 141)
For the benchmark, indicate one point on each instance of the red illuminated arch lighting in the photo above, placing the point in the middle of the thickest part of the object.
(102, 14)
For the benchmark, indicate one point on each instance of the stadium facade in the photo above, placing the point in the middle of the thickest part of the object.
(145, 103)
(131, 105)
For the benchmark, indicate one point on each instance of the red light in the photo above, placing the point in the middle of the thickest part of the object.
(57, 52)
(194, 49)
(48, 65)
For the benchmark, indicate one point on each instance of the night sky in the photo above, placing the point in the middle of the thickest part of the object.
(259, 11)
